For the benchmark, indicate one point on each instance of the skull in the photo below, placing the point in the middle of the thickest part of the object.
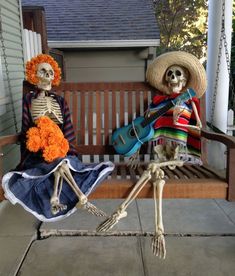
(45, 74)
(176, 77)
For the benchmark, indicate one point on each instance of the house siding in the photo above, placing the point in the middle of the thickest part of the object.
(104, 65)
(12, 39)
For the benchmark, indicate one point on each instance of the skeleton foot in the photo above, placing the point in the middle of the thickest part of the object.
(56, 206)
(111, 221)
(83, 201)
(92, 209)
(158, 245)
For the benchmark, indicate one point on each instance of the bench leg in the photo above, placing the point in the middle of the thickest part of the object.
(231, 174)
(2, 197)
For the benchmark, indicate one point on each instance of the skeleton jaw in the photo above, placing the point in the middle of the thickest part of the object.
(175, 87)
(44, 85)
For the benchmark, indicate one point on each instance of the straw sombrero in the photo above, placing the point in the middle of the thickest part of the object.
(197, 75)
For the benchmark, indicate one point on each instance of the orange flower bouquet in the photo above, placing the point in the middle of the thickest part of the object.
(48, 138)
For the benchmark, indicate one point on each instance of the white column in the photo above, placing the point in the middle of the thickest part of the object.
(216, 151)
(214, 33)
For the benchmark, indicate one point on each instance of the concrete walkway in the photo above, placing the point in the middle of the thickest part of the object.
(200, 240)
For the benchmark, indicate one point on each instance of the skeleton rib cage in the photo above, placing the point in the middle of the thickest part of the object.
(46, 106)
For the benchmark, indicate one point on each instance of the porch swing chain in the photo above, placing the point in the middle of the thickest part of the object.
(8, 74)
(222, 40)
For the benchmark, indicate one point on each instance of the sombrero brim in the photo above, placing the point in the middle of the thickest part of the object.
(156, 71)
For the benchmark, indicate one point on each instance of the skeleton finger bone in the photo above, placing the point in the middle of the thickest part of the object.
(157, 165)
(176, 113)
(134, 161)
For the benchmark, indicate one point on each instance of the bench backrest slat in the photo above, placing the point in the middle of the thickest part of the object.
(106, 117)
(97, 109)
(81, 118)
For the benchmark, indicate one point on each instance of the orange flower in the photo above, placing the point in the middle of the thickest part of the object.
(49, 138)
(44, 121)
(33, 131)
(31, 69)
(64, 147)
(51, 152)
(34, 143)
(54, 139)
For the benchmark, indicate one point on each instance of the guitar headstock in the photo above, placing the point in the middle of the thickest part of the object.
(188, 94)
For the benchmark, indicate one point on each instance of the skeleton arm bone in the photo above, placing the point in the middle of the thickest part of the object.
(199, 123)
(177, 113)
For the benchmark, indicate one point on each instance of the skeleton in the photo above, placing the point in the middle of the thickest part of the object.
(167, 154)
(154, 174)
(47, 105)
(176, 78)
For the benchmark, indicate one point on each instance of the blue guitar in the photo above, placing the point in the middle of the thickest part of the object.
(128, 139)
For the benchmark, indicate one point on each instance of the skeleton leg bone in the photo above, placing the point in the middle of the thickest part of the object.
(56, 206)
(121, 211)
(158, 240)
(83, 203)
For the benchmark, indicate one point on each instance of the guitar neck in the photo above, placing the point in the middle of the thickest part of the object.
(157, 114)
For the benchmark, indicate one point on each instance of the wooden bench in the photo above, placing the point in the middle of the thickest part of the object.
(98, 108)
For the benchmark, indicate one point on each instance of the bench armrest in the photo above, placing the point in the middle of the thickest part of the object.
(6, 140)
(9, 139)
(227, 140)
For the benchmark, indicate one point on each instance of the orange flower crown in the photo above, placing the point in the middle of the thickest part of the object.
(31, 69)
(48, 138)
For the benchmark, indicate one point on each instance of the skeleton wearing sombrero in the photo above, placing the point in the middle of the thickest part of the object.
(176, 134)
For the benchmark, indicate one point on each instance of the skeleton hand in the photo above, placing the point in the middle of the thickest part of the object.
(199, 124)
(56, 206)
(176, 114)
(133, 161)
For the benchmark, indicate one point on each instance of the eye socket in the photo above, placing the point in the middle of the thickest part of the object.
(169, 73)
(51, 73)
(178, 73)
(43, 71)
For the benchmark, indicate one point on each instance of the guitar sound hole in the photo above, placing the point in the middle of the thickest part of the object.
(132, 132)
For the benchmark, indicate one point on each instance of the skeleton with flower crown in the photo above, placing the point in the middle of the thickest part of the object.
(50, 181)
